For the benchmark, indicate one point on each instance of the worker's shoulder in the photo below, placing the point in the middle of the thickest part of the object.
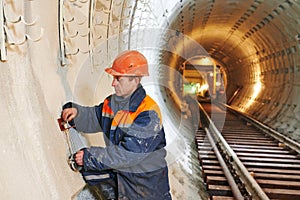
(149, 100)
(149, 104)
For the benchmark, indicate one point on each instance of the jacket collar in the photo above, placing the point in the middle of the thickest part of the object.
(135, 99)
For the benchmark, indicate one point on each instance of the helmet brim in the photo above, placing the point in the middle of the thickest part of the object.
(115, 73)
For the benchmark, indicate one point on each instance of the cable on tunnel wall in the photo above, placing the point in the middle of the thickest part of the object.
(90, 35)
(131, 22)
(2, 33)
(61, 34)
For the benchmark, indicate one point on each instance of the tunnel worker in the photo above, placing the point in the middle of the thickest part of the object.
(132, 165)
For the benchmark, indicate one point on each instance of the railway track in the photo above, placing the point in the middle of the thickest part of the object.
(243, 162)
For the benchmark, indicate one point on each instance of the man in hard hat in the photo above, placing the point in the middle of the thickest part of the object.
(132, 165)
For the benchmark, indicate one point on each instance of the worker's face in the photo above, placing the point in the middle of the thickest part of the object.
(125, 86)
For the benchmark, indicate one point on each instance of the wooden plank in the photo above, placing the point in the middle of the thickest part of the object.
(262, 155)
(262, 151)
(251, 138)
(270, 160)
(207, 157)
(250, 134)
(204, 148)
(252, 143)
(278, 184)
(221, 198)
(247, 146)
(279, 171)
(257, 136)
(210, 162)
(206, 153)
(206, 173)
(213, 172)
(219, 190)
(219, 187)
(244, 131)
(274, 165)
(282, 193)
(216, 180)
(211, 167)
(285, 177)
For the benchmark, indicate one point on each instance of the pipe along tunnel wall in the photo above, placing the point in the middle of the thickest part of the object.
(37, 77)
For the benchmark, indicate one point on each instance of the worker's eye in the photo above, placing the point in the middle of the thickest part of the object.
(117, 78)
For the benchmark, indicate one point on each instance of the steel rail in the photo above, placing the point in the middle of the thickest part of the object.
(234, 188)
(251, 185)
(276, 135)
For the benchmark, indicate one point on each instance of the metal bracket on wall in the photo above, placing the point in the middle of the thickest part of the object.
(74, 26)
(7, 37)
(61, 34)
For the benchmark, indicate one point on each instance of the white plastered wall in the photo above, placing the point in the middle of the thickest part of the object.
(33, 150)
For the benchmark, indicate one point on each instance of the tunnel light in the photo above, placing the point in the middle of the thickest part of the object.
(204, 87)
(256, 90)
(201, 60)
(193, 89)
(206, 61)
(189, 88)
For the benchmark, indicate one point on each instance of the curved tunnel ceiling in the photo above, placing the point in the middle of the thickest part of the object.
(257, 43)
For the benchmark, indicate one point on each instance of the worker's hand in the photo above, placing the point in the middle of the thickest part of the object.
(79, 158)
(68, 114)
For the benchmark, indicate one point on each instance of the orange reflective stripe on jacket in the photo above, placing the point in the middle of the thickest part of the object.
(125, 118)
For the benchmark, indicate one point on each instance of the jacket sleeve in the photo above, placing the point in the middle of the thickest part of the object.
(88, 119)
(144, 139)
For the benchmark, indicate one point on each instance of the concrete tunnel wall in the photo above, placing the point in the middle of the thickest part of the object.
(36, 79)
(33, 161)
(34, 84)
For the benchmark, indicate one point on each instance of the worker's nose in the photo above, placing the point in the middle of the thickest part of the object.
(114, 82)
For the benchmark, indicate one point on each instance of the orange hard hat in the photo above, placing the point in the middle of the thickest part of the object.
(129, 63)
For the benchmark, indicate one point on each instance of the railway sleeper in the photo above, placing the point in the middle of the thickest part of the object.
(281, 175)
(211, 172)
(278, 184)
(216, 180)
(282, 193)
(221, 198)
(274, 171)
(219, 190)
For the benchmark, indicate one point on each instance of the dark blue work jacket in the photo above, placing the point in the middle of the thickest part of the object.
(134, 155)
